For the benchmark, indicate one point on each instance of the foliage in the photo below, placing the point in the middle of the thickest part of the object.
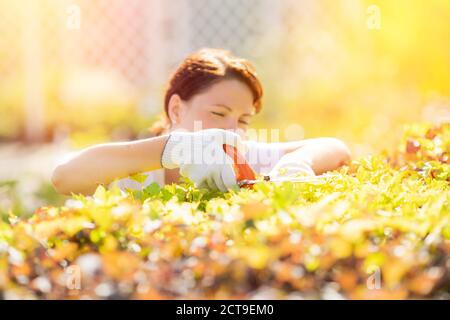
(89, 106)
(22, 198)
(378, 228)
(360, 81)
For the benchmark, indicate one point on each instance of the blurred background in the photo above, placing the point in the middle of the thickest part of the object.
(74, 73)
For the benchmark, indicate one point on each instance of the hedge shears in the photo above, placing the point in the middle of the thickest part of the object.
(246, 176)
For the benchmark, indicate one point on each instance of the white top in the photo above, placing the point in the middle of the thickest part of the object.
(260, 155)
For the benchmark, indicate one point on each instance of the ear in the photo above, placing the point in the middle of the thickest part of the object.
(175, 108)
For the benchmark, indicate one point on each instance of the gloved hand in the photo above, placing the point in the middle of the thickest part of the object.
(201, 158)
(291, 165)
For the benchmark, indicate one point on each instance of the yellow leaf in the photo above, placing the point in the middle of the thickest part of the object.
(139, 177)
(100, 193)
(340, 248)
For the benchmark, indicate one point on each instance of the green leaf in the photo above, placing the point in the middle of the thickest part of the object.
(152, 189)
(139, 177)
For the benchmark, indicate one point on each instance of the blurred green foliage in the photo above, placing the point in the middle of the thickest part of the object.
(14, 201)
(377, 229)
(88, 106)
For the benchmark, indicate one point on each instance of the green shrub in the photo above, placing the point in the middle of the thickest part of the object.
(378, 228)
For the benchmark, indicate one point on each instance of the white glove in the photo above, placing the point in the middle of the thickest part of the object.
(201, 158)
(291, 165)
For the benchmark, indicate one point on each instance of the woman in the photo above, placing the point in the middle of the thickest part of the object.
(210, 101)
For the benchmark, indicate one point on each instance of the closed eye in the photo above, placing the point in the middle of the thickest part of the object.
(244, 122)
(218, 114)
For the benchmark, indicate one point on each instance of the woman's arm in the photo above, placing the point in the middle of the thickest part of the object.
(101, 164)
(322, 154)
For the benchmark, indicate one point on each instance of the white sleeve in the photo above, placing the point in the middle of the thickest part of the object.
(263, 156)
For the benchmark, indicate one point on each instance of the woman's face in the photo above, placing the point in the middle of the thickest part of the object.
(228, 104)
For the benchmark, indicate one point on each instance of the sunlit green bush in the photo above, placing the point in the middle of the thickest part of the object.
(378, 228)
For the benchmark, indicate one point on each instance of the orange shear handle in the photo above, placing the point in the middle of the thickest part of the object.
(242, 169)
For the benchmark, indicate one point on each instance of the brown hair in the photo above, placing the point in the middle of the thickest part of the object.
(202, 69)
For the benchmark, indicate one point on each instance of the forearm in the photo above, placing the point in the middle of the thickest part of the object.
(321, 154)
(103, 163)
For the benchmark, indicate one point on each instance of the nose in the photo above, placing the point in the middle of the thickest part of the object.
(233, 129)
(231, 124)
(236, 129)
(223, 124)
